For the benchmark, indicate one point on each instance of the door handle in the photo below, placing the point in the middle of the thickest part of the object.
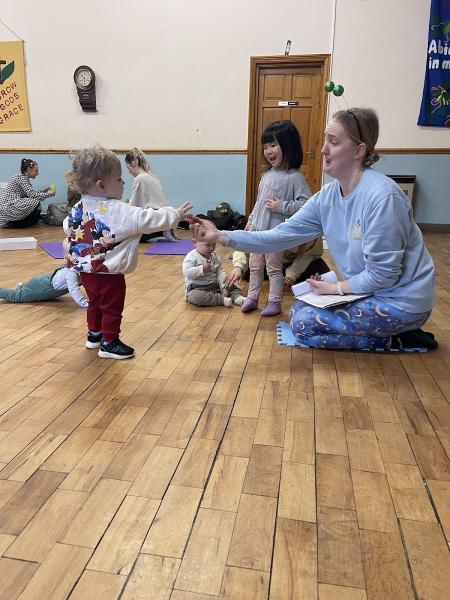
(311, 154)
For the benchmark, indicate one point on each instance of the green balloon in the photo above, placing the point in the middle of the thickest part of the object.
(52, 186)
(329, 86)
(338, 90)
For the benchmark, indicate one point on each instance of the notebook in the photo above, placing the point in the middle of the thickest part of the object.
(303, 291)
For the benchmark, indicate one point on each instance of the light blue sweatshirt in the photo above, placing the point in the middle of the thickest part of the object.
(371, 235)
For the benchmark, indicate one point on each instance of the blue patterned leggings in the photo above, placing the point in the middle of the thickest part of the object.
(366, 324)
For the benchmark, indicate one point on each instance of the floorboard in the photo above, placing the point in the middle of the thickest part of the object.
(216, 464)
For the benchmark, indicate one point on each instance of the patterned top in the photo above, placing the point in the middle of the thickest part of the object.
(103, 235)
(19, 199)
(289, 187)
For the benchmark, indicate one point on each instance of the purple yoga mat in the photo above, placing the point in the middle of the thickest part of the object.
(55, 249)
(163, 247)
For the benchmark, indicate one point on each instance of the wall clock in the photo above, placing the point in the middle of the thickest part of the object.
(84, 78)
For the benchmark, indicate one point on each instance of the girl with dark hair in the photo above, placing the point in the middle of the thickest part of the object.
(378, 248)
(20, 204)
(288, 138)
(282, 191)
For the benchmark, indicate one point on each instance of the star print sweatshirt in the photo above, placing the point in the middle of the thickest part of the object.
(371, 235)
(103, 235)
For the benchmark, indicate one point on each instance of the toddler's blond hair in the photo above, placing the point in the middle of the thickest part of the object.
(90, 165)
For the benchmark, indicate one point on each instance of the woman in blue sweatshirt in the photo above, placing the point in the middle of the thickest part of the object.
(368, 224)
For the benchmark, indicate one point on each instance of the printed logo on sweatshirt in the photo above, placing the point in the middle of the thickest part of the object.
(89, 241)
(356, 233)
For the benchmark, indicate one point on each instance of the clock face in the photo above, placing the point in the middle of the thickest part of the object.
(83, 78)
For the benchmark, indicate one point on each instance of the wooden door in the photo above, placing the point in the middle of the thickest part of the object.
(287, 87)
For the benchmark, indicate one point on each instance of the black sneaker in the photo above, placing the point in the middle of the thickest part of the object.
(93, 340)
(115, 349)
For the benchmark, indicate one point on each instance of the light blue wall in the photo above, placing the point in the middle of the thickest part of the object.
(432, 188)
(208, 179)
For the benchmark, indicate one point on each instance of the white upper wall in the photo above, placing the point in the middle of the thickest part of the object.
(175, 73)
(379, 56)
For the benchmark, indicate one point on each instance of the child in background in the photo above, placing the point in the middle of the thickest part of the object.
(204, 277)
(282, 191)
(103, 236)
(47, 286)
(147, 190)
(304, 261)
(299, 263)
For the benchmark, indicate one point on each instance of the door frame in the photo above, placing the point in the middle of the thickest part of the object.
(257, 63)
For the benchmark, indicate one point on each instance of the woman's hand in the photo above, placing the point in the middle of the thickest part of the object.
(273, 205)
(321, 287)
(233, 277)
(204, 231)
(183, 211)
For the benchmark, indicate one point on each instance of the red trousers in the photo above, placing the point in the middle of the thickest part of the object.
(106, 293)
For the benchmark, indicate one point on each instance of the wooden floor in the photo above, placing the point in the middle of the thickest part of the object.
(217, 463)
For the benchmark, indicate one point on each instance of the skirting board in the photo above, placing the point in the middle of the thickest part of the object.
(435, 227)
(18, 243)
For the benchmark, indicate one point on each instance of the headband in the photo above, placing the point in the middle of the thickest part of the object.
(352, 114)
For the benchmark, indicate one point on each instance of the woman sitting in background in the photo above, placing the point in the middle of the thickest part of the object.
(147, 191)
(20, 204)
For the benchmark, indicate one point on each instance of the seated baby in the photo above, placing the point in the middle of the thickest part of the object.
(204, 277)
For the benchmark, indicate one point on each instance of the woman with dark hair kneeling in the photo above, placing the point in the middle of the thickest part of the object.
(368, 224)
(20, 204)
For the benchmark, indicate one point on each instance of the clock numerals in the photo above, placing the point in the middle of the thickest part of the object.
(84, 78)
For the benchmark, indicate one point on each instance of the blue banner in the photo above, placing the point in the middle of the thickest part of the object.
(435, 109)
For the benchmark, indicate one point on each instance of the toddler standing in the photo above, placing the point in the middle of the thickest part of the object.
(103, 236)
(204, 277)
(282, 191)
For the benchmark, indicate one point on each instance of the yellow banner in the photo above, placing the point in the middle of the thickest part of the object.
(14, 113)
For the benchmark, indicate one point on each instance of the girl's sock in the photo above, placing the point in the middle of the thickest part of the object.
(249, 305)
(271, 309)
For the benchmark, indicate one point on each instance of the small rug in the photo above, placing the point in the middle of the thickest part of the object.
(285, 337)
(163, 247)
(55, 249)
